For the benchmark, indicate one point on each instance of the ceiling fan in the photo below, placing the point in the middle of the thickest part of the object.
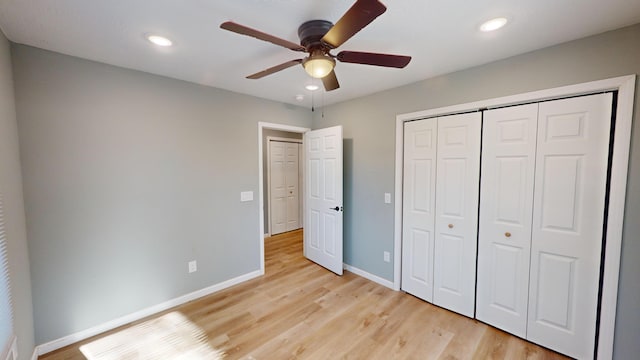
(319, 37)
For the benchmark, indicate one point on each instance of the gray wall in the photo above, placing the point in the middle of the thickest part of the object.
(11, 188)
(127, 177)
(369, 131)
(273, 133)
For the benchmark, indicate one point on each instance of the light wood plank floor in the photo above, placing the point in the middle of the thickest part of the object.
(300, 310)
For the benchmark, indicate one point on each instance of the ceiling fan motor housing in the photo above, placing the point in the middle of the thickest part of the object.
(311, 32)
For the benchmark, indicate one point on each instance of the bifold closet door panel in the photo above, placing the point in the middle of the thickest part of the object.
(506, 207)
(457, 186)
(292, 194)
(278, 184)
(418, 207)
(569, 201)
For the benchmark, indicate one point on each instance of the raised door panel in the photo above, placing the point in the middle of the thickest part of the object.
(506, 207)
(312, 236)
(291, 179)
(456, 212)
(278, 188)
(418, 207)
(569, 202)
(292, 213)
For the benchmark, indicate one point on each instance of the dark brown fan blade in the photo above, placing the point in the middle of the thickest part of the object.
(243, 30)
(274, 69)
(357, 17)
(330, 81)
(388, 60)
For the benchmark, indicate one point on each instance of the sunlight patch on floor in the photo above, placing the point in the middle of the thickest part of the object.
(171, 336)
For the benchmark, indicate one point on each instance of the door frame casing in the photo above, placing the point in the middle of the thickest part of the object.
(272, 126)
(625, 85)
(280, 139)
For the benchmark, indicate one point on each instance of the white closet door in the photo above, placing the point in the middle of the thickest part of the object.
(418, 207)
(506, 207)
(291, 179)
(277, 182)
(569, 198)
(457, 186)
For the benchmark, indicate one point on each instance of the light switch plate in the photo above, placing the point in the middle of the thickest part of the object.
(387, 256)
(193, 266)
(387, 198)
(246, 196)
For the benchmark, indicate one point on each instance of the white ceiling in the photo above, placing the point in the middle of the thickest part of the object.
(441, 35)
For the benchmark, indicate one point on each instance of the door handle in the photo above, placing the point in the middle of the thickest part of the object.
(337, 208)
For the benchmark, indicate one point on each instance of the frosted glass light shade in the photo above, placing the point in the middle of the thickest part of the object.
(319, 66)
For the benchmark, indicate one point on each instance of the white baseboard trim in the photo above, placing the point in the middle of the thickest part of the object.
(11, 350)
(110, 325)
(34, 356)
(369, 276)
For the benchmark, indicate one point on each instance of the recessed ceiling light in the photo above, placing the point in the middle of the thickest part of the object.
(311, 87)
(299, 97)
(159, 40)
(493, 24)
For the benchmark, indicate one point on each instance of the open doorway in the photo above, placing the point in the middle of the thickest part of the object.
(278, 131)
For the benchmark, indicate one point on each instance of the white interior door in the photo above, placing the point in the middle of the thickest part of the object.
(278, 188)
(569, 201)
(323, 197)
(291, 184)
(418, 207)
(284, 200)
(506, 207)
(456, 221)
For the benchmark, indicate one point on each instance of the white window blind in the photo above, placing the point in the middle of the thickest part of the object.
(7, 337)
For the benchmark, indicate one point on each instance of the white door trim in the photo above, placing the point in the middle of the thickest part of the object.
(272, 126)
(625, 85)
(279, 139)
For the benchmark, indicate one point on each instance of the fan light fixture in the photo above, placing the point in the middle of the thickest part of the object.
(319, 37)
(318, 65)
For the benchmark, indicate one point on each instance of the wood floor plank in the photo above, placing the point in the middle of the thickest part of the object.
(299, 310)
